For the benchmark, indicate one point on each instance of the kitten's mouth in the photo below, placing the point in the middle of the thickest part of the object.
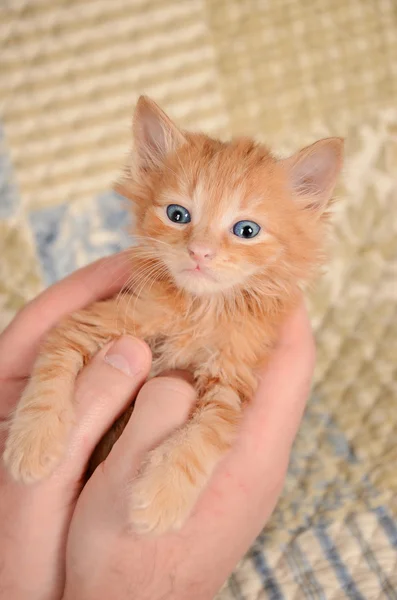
(196, 279)
(199, 272)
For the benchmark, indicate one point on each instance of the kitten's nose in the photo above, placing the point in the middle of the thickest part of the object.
(200, 251)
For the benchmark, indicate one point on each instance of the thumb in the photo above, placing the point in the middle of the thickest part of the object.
(162, 405)
(104, 390)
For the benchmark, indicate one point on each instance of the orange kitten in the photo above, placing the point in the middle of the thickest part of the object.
(226, 235)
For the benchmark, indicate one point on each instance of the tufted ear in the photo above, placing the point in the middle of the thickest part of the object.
(312, 173)
(155, 135)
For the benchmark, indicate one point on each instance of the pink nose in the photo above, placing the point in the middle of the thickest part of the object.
(200, 251)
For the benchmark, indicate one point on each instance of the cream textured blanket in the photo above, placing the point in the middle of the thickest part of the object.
(288, 71)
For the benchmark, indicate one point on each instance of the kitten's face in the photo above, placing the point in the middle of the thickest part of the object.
(221, 217)
(213, 223)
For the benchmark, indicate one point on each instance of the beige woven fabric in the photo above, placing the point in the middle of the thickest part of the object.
(288, 71)
(291, 64)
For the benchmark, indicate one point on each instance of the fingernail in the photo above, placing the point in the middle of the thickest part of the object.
(128, 355)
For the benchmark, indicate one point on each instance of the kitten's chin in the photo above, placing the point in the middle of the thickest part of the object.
(198, 283)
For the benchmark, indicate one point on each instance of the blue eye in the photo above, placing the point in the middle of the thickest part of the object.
(178, 214)
(246, 229)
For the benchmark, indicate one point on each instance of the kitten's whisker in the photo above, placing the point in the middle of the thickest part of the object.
(122, 293)
(146, 237)
(129, 286)
(105, 265)
(127, 310)
(154, 268)
(162, 271)
(154, 272)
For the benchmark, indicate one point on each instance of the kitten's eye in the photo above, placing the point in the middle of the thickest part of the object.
(246, 229)
(178, 214)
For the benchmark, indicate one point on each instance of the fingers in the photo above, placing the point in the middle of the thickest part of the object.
(296, 331)
(272, 420)
(242, 492)
(268, 427)
(35, 519)
(285, 382)
(252, 475)
(104, 390)
(19, 342)
(162, 405)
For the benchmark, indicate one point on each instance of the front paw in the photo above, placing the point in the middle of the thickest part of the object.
(162, 498)
(36, 443)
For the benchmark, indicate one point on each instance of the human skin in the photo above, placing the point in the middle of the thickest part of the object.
(103, 556)
(34, 520)
(106, 559)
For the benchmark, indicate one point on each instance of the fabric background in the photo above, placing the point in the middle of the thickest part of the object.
(289, 72)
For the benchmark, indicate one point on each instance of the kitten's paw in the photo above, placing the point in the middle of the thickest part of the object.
(36, 443)
(162, 499)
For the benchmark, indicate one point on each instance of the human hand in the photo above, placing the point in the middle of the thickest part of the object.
(107, 560)
(34, 519)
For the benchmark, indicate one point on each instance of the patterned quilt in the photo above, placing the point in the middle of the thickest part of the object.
(288, 71)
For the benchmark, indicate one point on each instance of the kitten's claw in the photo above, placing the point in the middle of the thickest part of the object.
(161, 500)
(35, 445)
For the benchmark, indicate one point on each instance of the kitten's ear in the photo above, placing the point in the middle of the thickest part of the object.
(313, 173)
(155, 135)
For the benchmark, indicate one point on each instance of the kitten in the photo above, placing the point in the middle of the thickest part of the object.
(226, 236)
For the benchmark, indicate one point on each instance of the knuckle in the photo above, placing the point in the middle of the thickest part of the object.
(166, 385)
(94, 383)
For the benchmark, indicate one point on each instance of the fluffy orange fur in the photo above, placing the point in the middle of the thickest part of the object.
(205, 299)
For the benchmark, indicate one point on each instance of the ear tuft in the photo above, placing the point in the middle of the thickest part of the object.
(155, 135)
(313, 173)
